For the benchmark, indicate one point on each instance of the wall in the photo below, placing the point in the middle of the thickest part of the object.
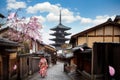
(104, 34)
(27, 65)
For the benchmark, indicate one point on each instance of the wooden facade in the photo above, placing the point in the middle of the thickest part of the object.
(94, 65)
(103, 56)
(52, 52)
(8, 59)
(27, 65)
(30, 45)
(82, 57)
(105, 32)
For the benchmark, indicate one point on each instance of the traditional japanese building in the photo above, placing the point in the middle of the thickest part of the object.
(108, 31)
(60, 33)
(8, 59)
(100, 48)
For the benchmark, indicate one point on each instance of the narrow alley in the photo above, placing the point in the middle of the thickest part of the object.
(55, 72)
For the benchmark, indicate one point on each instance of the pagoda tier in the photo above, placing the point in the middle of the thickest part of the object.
(60, 39)
(60, 26)
(56, 33)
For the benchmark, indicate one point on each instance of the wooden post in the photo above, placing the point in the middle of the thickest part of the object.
(92, 67)
(18, 66)
(5, 70)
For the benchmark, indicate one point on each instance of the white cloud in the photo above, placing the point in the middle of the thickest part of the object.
(84, 20)
(9, 1)
(13, 4)
(52, 17)
(69, 19)
(67, 15)
(101, 19)
(53, 12)
(87, 23)
(41, 19)
(43, 7)
(96, 21)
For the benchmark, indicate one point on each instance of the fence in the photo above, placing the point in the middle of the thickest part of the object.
(27, 65)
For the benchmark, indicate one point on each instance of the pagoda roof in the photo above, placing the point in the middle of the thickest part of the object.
(57, 39)
(60, 26)
(6, 42)
(65, 34)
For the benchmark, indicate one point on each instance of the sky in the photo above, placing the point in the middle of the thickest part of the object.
(79, 15)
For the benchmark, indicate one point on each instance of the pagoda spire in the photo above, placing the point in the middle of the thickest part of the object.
(60, 17)
(60, 33)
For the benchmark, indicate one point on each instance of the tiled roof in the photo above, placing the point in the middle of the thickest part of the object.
(6, 42)
(60, 26)
(109, 22)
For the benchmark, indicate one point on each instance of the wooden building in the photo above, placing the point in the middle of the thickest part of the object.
(92, 63)
(8, 59)
(52, 52)
(30, 45)
(108, 31)
(82, 57)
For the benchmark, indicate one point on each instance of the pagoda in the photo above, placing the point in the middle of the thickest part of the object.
(59, 33)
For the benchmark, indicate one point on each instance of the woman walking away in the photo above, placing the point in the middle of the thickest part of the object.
(43, 66)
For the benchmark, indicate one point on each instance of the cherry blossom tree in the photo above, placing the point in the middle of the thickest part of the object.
(22, 29)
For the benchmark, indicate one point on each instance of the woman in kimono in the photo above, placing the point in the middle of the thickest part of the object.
(43, 66)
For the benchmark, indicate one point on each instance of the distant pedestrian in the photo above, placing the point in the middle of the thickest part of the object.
(43, 66)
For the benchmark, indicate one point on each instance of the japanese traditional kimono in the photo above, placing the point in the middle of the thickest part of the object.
(43, 67)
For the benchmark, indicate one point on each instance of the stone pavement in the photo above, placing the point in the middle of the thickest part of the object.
(55, 72)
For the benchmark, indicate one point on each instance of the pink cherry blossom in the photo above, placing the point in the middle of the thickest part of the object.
(22, 29)
(111, 71)
(11, 15)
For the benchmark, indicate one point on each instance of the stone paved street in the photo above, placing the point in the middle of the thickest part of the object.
(55, 72)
